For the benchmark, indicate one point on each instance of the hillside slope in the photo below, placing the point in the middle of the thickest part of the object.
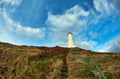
(29, 62)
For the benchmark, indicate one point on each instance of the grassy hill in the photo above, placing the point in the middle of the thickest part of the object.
(29, 62)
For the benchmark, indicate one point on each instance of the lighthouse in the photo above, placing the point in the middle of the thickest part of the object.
(70, 40)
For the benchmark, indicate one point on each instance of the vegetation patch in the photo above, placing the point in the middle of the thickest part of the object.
(108, 75)
(87, 72)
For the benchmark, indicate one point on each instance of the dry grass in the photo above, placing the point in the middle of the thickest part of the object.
(108, 62)
(28, 62)
(22, 62)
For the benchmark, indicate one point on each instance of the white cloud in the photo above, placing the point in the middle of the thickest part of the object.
(94, 34)
(72, 20)
(102, 6)
(17, 28)
(77, 11)
(111, 46)
(104, 49)
(11, 2)
(115, 44)
(87, 44)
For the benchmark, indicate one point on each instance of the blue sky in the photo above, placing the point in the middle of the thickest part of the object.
(95, 24)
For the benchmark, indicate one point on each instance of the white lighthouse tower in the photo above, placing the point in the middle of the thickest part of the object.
(70, 40)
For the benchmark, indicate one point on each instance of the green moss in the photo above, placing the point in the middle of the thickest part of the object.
(1, 71)
(19, 51)
(87, 72)
(108, 75)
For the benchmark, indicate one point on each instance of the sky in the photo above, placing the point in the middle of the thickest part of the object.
(95, 24)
